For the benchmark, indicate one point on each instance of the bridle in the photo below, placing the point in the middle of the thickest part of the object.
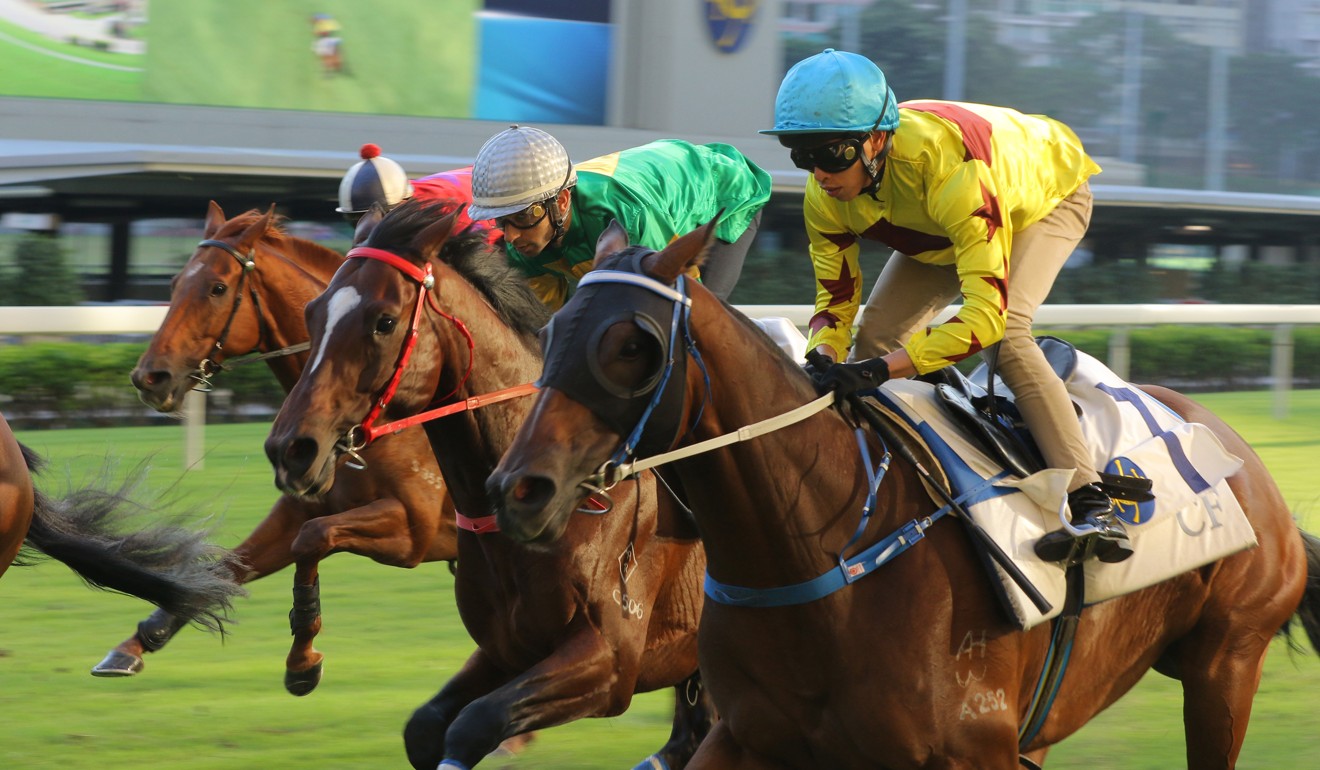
(362, 434)
(211, 365)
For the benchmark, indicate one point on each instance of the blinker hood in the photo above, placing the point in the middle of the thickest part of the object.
(572, 357)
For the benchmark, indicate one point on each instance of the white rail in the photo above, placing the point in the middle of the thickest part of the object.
(145, 319)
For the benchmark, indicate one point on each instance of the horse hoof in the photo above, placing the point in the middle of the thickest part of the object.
(302, 682)
(653, 762)
(117, 663)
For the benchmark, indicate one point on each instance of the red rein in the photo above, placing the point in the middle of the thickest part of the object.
(425, 279)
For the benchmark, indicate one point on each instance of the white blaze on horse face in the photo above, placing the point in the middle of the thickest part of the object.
(191, 271)
(339, 306)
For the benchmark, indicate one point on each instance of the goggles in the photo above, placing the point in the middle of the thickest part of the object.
(527, 218)
(830, 158)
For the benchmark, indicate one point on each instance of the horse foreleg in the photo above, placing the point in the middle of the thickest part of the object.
(694, 715)
(385, 531)
(577, 680)
(302, 669)
(424, 735)
(262, 553)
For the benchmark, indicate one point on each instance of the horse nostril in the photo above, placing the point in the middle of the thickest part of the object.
(531, 492)
(149, 380)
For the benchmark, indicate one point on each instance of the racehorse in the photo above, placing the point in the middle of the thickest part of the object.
(914, 664)
(242, 292)
(99, 534)
(564, 630)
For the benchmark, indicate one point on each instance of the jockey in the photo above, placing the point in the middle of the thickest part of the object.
(378, 180)
(552, 212)
(982, 204)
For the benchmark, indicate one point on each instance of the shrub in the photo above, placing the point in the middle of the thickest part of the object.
(41, 274)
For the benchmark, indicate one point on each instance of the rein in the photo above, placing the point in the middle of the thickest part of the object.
(358, 437)
(849, 570)
(208, 368)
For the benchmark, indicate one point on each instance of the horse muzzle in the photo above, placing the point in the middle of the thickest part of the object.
(529, 508)
(303, 466)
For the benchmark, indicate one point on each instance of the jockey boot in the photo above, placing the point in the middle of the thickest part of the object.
(1103, 536)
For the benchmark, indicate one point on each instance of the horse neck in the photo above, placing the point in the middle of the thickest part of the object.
(291, 275)
(469, 445)
(777, 509)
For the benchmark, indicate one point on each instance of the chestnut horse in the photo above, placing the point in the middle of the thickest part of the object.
(565, 629)
(101, 535)
(913, 665)
(243, 292)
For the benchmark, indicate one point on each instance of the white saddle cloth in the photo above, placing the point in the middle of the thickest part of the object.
(1193, 520)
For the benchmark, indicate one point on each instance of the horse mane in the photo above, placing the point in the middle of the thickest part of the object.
(482, 265)
(241, 222)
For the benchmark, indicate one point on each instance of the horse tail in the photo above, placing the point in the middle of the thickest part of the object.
(167, 564)
(1308, 612)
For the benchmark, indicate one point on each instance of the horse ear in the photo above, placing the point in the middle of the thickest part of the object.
(257, 229)
(434, 235)
(612, 241)
(368, 223)
(215, 216)
(686, 251)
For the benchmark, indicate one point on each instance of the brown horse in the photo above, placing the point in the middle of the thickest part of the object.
(914, 665)
(243, 291)
(100, 534)
(564, 630)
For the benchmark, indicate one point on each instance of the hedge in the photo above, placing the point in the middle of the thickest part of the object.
(64, 384)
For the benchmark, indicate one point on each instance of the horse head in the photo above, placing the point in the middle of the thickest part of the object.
(384, 344)
(618, 380)
(216, 311)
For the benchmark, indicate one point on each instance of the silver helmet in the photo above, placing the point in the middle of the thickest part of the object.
(516, 168)
(374, 179)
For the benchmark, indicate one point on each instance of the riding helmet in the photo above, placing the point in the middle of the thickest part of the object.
(834, 92)
(516, 168)
(374, 179)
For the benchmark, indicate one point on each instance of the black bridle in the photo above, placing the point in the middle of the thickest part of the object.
(210, 366)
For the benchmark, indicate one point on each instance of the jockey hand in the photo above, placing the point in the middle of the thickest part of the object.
(847, 379)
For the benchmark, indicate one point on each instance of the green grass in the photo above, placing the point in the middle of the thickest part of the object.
(32, 73)
(392, 637)
(410, 58)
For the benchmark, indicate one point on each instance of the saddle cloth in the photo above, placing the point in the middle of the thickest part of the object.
(1194, 518)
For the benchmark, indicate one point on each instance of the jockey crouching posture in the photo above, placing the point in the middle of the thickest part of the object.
(978, 202)
(552, 212)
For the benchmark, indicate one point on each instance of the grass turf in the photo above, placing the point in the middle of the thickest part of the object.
(392, 637)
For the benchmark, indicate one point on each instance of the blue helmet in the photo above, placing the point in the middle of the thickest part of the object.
(834, 92)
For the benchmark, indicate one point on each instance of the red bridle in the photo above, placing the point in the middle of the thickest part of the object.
(368, 431)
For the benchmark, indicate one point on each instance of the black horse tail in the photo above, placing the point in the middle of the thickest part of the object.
(167, 564)
(1308, 612)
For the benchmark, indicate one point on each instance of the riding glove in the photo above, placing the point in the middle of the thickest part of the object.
(847, 379)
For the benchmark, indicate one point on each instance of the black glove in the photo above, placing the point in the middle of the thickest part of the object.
(847, 379)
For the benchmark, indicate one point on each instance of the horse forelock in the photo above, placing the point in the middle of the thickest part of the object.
(480, 264)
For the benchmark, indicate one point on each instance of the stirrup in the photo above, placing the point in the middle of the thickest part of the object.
(1109, 544)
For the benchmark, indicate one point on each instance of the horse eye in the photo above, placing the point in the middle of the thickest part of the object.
(218, 289)
(385, 325)
(631, 349)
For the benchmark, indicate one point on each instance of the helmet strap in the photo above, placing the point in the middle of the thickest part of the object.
(875, 166)
(558, 217)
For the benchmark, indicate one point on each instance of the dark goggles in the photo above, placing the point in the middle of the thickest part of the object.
(830, 158)
(527, 218)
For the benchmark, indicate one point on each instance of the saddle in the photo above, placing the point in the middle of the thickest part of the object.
(986, 410)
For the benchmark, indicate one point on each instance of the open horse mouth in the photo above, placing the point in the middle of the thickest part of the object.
(159, 389)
